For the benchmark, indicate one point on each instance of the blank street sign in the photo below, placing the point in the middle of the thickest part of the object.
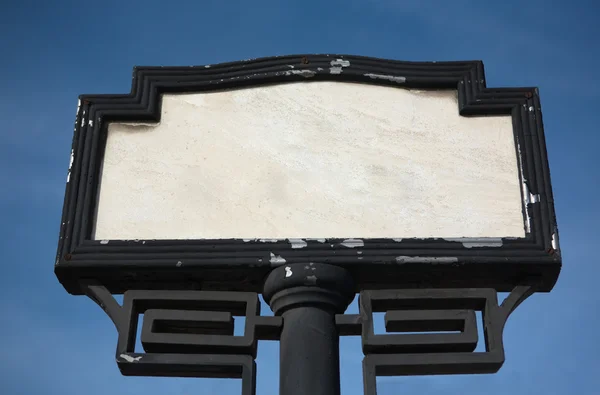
(318, 160)
(407, 174)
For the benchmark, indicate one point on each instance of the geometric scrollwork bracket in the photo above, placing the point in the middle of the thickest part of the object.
(418, 311)
(188, 333)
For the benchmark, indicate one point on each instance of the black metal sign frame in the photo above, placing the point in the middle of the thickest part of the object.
(241, 265)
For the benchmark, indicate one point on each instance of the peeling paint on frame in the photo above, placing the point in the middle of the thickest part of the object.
(337, 66)
(129, 358)
(420, 259)
(474, 242)
(392, 78)
(353, 243)
(555, 243)
(298, 243)
(72, 159)
(277, 259)
(303, 73)
(340, 63)
(530, 197)
(525, 190)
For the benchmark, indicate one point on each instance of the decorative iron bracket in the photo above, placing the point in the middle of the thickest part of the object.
(430, 310)
(190, 333)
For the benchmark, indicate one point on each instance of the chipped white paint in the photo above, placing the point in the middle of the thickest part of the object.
(318, 240)
(103, 241)
(392, 78)
(207, 66)
(298, 243)
(72, 159)
(525, 190)
(247, 240)
(277, 259)
(353, 243)
(555, 240)
(531, 108)
(288, 271)
(340, 63)
(179, 264)
(529, 197)
(91, 123)
(268, 240)
(397, 240)
(303, 73)
(319, 159)
(140, 125)
(534, 198)
(419, 259)
(471, 242)
(129, 358)
(77, 116)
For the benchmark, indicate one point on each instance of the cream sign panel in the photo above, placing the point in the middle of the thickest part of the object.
(311, 160)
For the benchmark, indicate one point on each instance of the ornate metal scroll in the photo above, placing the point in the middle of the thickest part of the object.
(190, 333)
(430, 310)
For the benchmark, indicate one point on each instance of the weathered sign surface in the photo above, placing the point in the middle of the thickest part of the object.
(311, 160)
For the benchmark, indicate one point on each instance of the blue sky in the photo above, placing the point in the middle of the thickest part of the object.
(52, 51)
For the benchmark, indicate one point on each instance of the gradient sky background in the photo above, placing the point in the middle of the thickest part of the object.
(52, 51)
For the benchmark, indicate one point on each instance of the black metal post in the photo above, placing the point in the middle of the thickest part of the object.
(308, 296)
